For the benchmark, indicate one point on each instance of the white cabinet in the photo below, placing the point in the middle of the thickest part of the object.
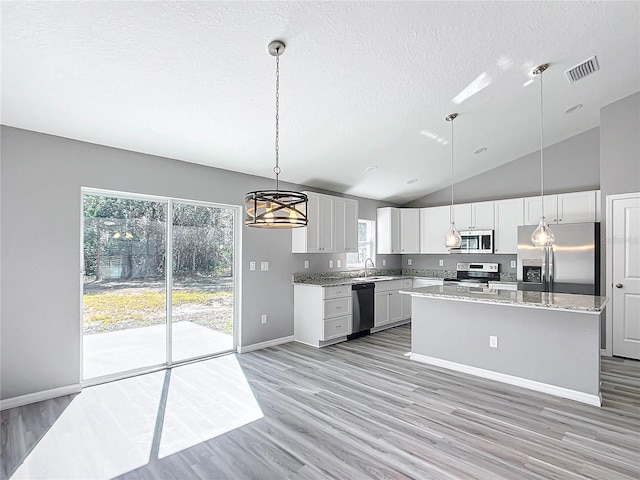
(410, 230)
(407, 284)
(398, 230)
(509, 214)
(575, 207)
(321, 315)
(388, 303)
(332, 227)
(346, 225)
(474, 216)
(434, 224)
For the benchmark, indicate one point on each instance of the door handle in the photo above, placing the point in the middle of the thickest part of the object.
(618, 285)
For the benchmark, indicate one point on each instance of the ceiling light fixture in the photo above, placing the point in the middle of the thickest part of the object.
(542, 236)
(452, 239)
(276, 208)
(371, 169)
(574, 108)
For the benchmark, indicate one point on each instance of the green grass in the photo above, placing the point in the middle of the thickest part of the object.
(109, 308)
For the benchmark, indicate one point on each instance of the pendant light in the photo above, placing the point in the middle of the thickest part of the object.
(452, 239)
(276, 208)
(542, 236)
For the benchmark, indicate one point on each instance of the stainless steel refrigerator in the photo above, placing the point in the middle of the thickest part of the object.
(572, 265)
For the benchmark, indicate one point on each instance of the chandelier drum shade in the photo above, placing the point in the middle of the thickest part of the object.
(452, 239)
(276, 208)
(542, 236)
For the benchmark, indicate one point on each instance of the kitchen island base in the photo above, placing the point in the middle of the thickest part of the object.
(550, 350)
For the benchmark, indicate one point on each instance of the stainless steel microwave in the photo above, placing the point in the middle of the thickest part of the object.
(475, 241)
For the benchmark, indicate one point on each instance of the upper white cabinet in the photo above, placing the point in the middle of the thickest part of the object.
(576, 207)
(398, 230)
(434, 224)
(332, 227)
(509, 214)
(410, 230)
(346, 225)
(474, 216)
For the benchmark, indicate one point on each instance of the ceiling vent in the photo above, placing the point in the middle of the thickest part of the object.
(583, 69)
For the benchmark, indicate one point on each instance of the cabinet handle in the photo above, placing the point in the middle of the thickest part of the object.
(338, 326)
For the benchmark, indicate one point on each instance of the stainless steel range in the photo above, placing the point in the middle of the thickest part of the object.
(475, 274)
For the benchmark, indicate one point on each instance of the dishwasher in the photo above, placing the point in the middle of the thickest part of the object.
(362, 309)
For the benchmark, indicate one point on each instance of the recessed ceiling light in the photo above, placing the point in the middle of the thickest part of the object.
(371, 169)
(480, 150)
(413, 180)
(527, 83)
(574, 108)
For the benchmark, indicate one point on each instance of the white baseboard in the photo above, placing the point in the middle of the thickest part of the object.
(583, 397)
(39, 396)
(267, 344)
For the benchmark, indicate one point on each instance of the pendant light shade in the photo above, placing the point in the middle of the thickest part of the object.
(276, 208)
(542, 236)
(452, 239)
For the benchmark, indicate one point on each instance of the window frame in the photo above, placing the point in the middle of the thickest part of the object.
(370, 243)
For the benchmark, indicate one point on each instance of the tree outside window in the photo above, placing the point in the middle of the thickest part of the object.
(366, 244)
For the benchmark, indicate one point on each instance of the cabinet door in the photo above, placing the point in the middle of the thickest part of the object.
(577, 207)
(434, 224)
(381, 309)
(314, 224)
(388, 230)
(406, 299)
(351, 226)
(326, 223)
(509, 214)
(482, 216)
(463, 217)
(395, 306)
(532, 209)
(410, 230)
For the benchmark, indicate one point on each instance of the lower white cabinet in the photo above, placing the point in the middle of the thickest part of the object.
(388, 307)
(321, 315)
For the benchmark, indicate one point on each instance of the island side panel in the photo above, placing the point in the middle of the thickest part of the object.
(556, 347)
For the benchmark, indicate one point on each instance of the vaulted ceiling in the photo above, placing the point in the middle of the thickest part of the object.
(363, 84)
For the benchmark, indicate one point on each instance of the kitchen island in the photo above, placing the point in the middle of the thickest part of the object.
(547, 342)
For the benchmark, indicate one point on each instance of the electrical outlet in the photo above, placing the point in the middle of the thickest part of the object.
(306, 264)
(493, 342)
(264, 318)
(330, 263)
(513, 264)
(252, 266)
(441, 263)
(384, 262)
(264, 266)
(409, 262)
(338, 263)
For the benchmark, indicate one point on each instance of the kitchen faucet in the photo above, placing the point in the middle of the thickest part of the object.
(365, 266)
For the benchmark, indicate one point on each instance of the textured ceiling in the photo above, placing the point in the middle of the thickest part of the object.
(360, 81)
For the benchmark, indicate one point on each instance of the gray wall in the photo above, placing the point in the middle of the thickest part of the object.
(41, 178)
(569, 166)
(430, 261)
(620, 160)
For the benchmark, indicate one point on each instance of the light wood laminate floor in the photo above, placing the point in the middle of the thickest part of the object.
(359, 409)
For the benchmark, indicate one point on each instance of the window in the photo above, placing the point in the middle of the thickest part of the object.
(366, 244)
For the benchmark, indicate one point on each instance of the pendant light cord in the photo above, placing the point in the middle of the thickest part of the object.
(276, 169)
(541, 151)
(451, 211)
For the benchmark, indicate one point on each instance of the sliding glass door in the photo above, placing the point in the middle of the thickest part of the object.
(138, 314)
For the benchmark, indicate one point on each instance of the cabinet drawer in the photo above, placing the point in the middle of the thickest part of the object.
(336, 307)
(337, 292)
(336, 327)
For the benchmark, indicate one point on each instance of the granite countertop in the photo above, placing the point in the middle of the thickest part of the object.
(560, 301)
(337, 281)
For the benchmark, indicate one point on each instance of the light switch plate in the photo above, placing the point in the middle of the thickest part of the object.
(513, 264)
(252, 266)
(338, 263)
(384, 262)
(330, 263)
(306, 264)
(264, 266)
(441, 263)
(493, 341)
(409, 261)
